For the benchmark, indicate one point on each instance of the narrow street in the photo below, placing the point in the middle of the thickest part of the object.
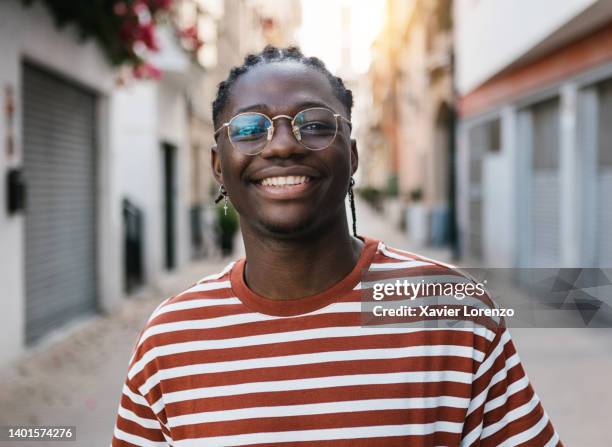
(460, 109)
(76, 380)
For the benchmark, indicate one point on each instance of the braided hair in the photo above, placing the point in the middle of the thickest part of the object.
(274, 54)
(290, 54)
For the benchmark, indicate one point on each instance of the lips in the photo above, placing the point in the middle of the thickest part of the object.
(285, 183)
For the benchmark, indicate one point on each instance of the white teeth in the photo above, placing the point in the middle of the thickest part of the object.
(287, 180)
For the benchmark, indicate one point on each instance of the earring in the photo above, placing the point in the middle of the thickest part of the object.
(352, 202)
(222, 195)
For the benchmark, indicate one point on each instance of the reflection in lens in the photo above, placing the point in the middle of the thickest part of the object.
(317, 127)
(248, 132)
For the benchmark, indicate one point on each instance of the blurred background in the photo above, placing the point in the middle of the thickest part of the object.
(485, 136)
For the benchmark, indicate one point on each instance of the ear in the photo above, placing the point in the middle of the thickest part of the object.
(215, 163)
(354, 157)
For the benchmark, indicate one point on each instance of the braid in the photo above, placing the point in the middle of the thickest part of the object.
(274, 54)
(352, 202)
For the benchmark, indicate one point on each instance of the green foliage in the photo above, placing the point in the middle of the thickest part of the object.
(373, 196)
(123, 29)
(227, 223)
(392, 185)
(93, 19)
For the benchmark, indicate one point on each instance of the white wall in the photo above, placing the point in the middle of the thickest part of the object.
(495, 218)
(145, 115)
(505, 190)
(491, 34)
(172, 110)
(133, 121)
(499, 201)
(138, 165)
(30, 33)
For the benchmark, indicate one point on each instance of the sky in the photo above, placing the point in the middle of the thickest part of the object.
(321, 33)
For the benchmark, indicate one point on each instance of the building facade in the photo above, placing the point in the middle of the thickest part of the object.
(103, 170)
(118, 184)
(534, 138)
(149, 134)
(57, 262)
(411, 78)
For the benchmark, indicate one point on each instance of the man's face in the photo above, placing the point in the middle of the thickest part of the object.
(285, 88)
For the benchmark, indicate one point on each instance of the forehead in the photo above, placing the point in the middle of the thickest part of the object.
(280, 88)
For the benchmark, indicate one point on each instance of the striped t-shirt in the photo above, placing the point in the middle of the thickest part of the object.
(219, 365)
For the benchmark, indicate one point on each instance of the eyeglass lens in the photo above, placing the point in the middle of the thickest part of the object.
(249, 132)
(314, 128)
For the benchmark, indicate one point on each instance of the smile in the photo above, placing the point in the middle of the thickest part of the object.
(287, 187)
(285, 181)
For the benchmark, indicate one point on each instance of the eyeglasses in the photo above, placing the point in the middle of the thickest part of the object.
(314, 128)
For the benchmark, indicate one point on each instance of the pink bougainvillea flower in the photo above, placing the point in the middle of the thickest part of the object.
(139, 7)
(190, 39)
(146, 34)
(189, 33)
(146, 70)
(120, 9)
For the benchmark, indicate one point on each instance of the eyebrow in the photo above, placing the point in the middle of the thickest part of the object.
(298, 107)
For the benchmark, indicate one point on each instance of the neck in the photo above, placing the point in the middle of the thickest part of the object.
(283, 268)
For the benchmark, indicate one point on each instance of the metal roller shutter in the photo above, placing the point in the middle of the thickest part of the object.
(604, 219)
(484, 138)
(604, 177)
(478, 143)
(545, 208)
(60, 226)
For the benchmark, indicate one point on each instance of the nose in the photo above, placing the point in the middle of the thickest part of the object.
(283, 143)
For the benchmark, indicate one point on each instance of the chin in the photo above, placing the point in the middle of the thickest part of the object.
(285, 228)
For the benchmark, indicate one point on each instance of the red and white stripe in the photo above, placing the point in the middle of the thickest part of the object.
(208, 370)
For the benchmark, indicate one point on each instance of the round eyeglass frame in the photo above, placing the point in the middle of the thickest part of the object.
(294, 129)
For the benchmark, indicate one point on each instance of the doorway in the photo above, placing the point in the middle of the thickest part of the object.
(169, 204)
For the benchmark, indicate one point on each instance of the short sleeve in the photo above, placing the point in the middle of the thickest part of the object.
(137, 424)
(504, 409)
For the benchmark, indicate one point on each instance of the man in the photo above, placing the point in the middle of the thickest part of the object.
(271, 351)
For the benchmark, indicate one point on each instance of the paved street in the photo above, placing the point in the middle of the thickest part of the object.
(77, 380)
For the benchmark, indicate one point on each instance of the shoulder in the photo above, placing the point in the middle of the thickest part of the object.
(211, 289)
(209, 297)
(402, 263)
(452, 296)
(392, 258)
